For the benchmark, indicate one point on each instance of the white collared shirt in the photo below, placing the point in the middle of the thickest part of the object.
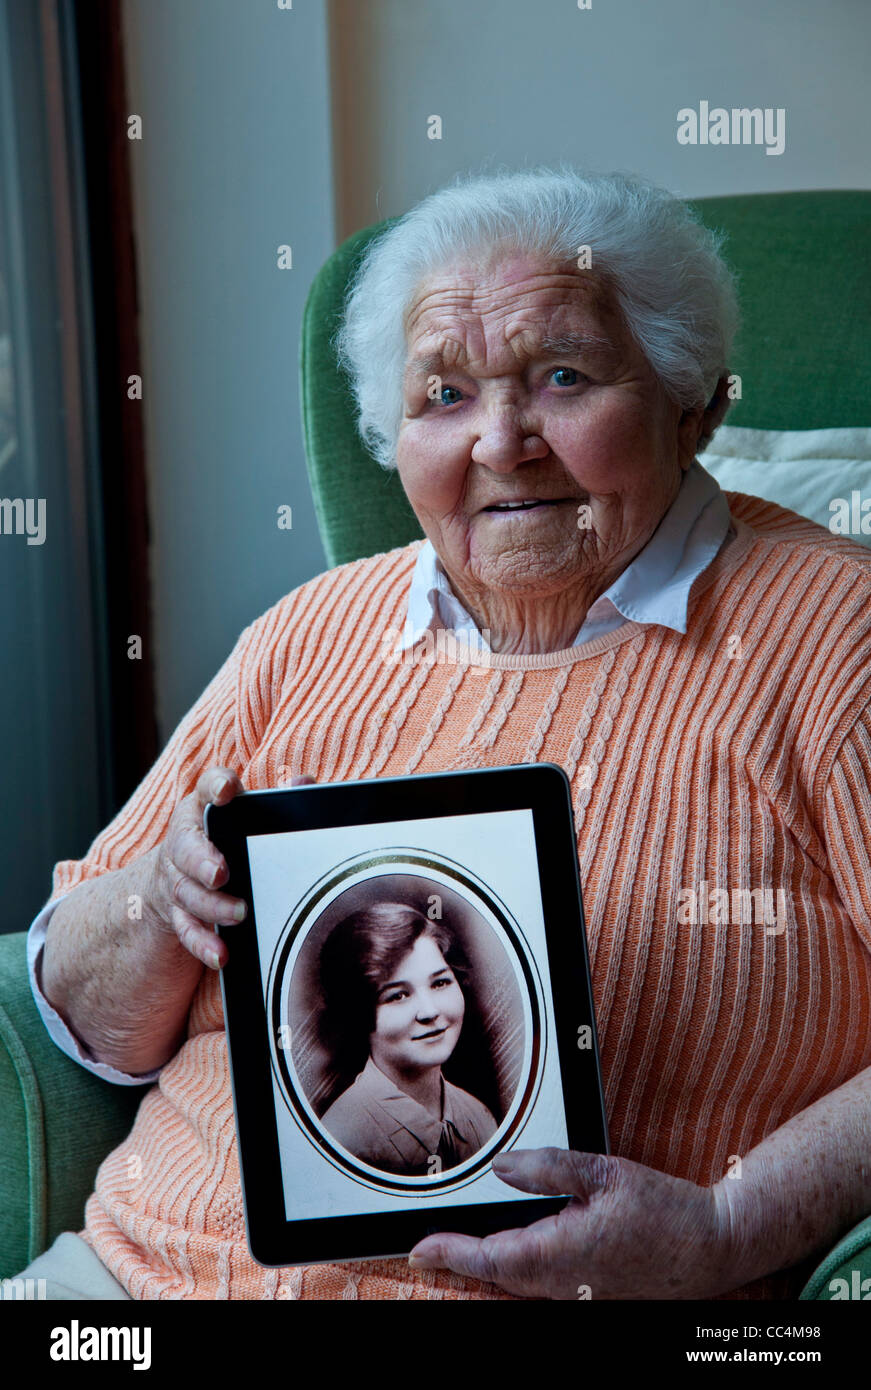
(654, 587)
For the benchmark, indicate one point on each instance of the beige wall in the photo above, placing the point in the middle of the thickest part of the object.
(235, 160)
(519, 81)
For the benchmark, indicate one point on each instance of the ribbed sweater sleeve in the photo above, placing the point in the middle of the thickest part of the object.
(209, 734)
(848, 824)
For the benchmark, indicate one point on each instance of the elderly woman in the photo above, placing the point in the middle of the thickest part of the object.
(541, 356)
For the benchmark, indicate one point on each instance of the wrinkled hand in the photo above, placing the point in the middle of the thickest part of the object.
(187, 869)
(627, 1232)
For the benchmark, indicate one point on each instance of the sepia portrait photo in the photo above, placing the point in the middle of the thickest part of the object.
(407, 1025)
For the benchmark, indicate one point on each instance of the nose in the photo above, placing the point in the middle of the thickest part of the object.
(427, 1009)
(506, 440)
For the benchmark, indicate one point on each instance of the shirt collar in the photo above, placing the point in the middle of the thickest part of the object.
(654, 587)
(406, 1113)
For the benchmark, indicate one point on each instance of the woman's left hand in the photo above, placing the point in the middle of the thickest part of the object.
(627, 1232)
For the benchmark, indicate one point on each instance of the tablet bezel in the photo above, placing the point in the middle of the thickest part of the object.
(541, 788)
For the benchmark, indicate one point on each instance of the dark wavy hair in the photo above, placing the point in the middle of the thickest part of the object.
(358, 957)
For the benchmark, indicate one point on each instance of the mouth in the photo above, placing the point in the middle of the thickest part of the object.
(525, 504)
(436, 1033)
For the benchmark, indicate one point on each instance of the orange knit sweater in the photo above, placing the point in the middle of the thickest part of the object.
(736, 756)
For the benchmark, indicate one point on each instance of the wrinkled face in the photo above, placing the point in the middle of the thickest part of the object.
(544, 400)
(419, 1012)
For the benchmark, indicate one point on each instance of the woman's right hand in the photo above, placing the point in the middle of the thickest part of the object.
(126, 992)
(188, 870)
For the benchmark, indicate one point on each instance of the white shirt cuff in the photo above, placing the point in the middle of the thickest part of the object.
(58, 1031)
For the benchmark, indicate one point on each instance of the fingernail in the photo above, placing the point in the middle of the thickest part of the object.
(221, 786)
(208, 872)
(214, 960)
(418, 1262)
(240, 912)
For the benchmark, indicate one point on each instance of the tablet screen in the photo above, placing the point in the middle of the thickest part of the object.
(407, 987)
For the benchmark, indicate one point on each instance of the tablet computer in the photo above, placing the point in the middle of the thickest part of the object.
(408, 996)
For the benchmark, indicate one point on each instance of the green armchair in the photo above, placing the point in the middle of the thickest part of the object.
(804, 357)
(57, 1123)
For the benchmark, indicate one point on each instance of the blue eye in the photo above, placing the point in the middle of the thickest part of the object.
(452, 392)
(567, 376)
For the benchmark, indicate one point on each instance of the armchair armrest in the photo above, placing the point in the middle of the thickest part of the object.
(845, 1273)
(57, 1121)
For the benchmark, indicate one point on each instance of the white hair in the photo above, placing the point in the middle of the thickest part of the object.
(674, 290)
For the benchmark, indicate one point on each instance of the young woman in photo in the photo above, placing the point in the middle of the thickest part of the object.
(393, 989)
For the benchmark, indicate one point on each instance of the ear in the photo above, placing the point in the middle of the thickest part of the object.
(698, 425)
(714, 411)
